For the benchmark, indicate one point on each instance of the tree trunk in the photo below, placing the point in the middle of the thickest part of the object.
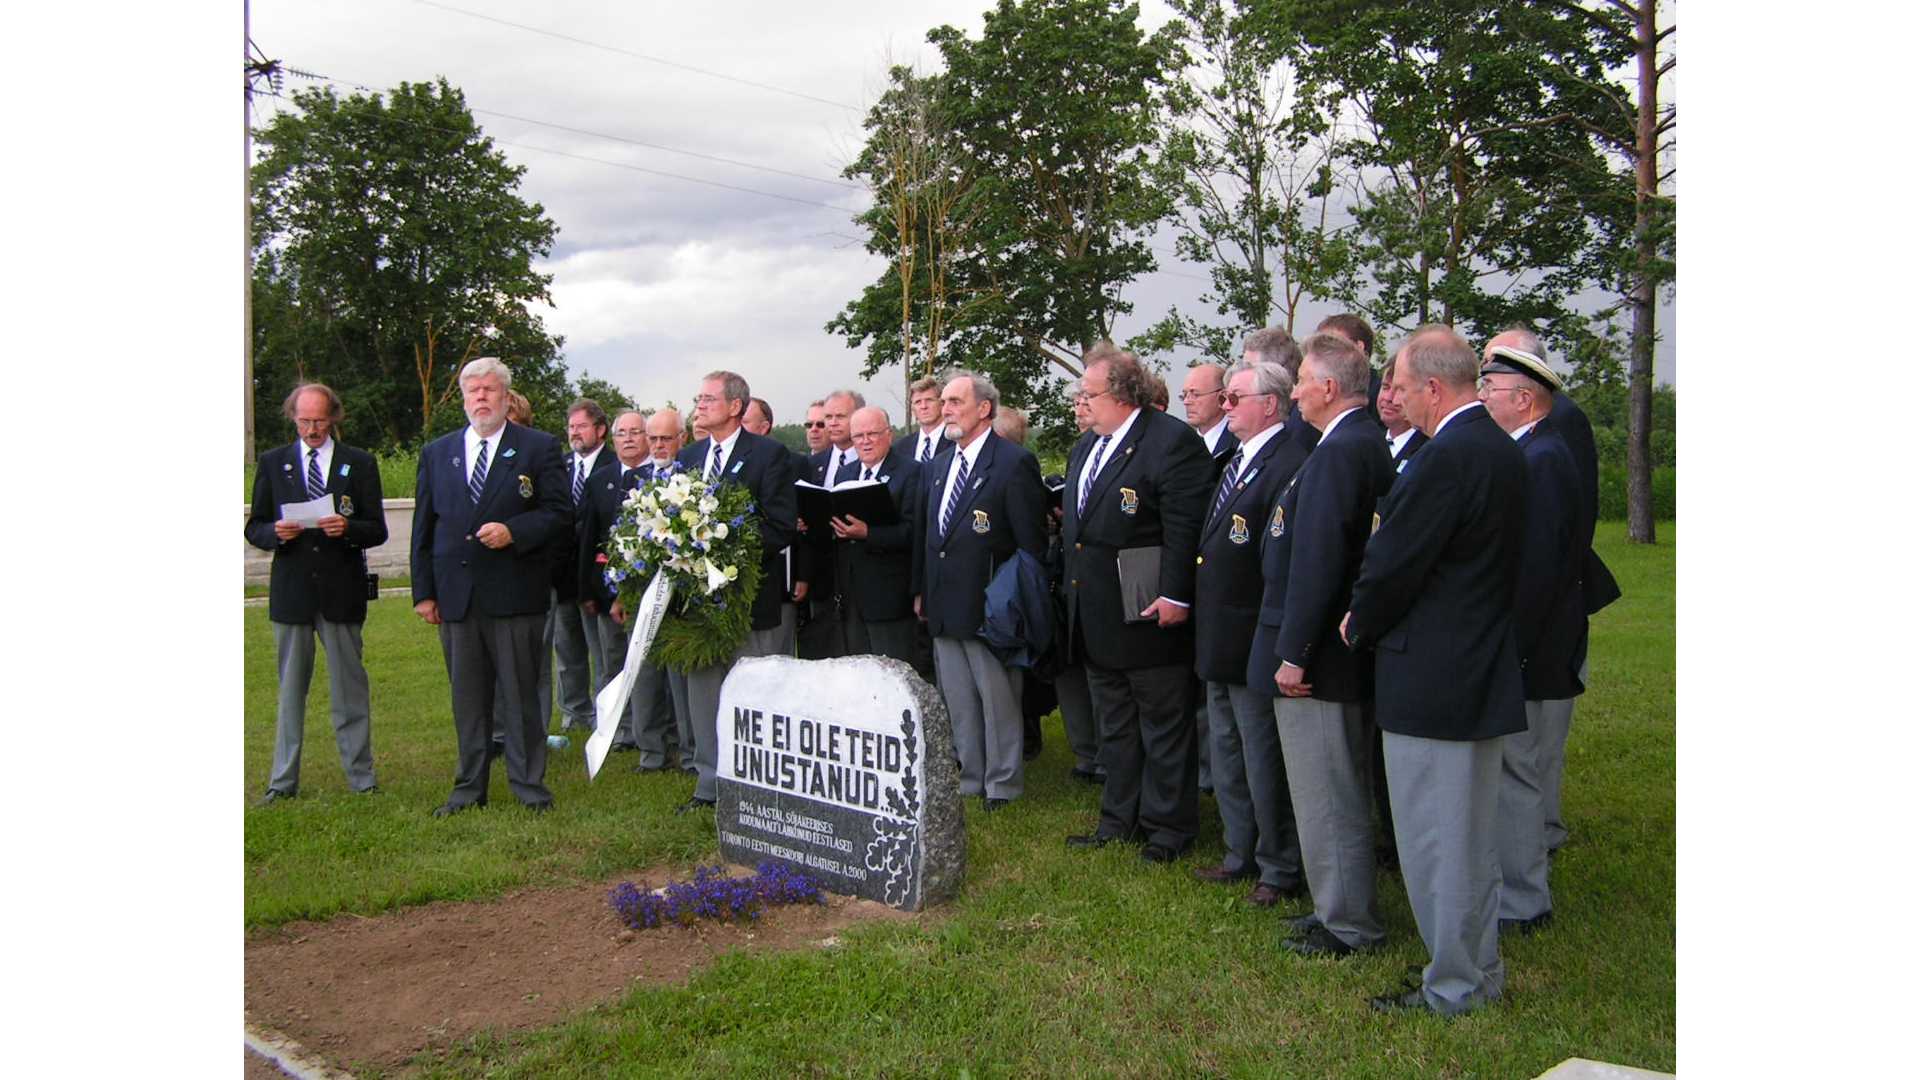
(1640, 360)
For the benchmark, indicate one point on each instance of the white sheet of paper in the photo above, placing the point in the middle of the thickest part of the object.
(307, 514)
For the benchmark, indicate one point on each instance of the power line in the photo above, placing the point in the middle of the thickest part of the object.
(643, 56)
(601, 135)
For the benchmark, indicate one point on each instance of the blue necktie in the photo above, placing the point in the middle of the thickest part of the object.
(1093, 469)
(479, 481)
(713, 466)
(953, 497)
(579, 479)
(1226, 484)
(316, 487)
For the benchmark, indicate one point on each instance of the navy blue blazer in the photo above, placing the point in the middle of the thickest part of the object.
(526, 490)
(763, 466)
(880, 568)
(606, 491)
(1151, 490)
(313, 573)
(1226, 576)
(1003, 509)
(1312, 543)
(566, 577)
(1549, 615)
(1434, 597)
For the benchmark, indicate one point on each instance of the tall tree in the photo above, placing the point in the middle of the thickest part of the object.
(394, 246)
(1254, 172)
(1471, 209)
(1051, 117)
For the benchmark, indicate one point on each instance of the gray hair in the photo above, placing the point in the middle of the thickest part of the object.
(732, 387)
(484, 366)
(1437, 351)
(1275, 346)
(1525, 340)
(982, 387)
(859, 399)
(1341, 361)
(1268, 378)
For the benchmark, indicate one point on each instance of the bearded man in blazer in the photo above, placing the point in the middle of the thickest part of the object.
(1434, 600)
(1137, 486)
(984, 501)
(731, 454)
(1318, 530)
(319, 587)
(1249, 780)
(488, 501)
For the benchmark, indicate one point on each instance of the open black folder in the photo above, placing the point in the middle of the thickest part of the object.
(867, 500)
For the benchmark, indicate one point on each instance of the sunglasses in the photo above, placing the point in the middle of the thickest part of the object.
(1234, 400)
(815, 424)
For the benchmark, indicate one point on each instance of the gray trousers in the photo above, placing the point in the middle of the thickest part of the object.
(579, 664)
(1250, 786)
(1076, 715)
(493, 667)
(703, 702)
(1202, 735)
(682, 718)
(1329, 753)
(648, 724)
(1523, 822)
(1445, 795)
(350, 706)
(1556, 722)
(542, 682)
(983, 704)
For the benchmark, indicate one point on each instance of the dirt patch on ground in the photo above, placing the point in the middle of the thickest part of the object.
(379, 990)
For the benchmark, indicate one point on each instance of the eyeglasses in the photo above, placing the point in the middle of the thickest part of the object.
(1088, 397)
(1234, 399)
(1488, 388)
(859, 435)
(814, 424)
(708, 399)
(313, 425)
(1196, 395)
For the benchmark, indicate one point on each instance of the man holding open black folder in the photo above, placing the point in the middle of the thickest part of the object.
(1137, 487)
(870, 521)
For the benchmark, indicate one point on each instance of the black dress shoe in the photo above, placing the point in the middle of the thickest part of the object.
(451, 808)
(1220, 875)
(273, 796)
(648, 768)
(1097, 839)
(694, 803)
(1160, 853)
(623, 747)
(1300, 924)
(1088, 776)
(1403, 1000)
(540, 807)
(995, 804)
(1526, 927)
(1318, 941)
(370, 789)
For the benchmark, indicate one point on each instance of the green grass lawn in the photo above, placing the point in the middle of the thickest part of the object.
(1050, 960)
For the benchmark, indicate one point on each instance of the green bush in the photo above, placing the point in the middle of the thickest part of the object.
(1613, 493)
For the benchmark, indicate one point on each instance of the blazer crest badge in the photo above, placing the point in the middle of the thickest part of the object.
(1238, 532)
(1376, 525)
(526, 486)
(1129, 501)
(346, 506)
(981, 524)
(1279, 526)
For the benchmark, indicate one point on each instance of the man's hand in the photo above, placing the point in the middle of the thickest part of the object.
(590, 607)
(1344, 620)
(494, 534)
(918, 614)
(428, 610)
(333, 525)
(619, 613)
(849, 528)
(1290, 681)
(1169, 613)
(286, 530)
(800, 524)
(799, 592)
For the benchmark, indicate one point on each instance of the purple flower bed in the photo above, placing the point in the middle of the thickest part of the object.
(711, 896)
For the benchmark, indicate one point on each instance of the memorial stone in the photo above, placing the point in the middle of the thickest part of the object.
(843, 769)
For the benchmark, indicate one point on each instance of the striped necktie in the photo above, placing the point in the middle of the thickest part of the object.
(316, 487)
(1226, 483)
(1093, 470)
(713, 465)
(479, 481)
(579, 479)
(926, 448)
(953, 497)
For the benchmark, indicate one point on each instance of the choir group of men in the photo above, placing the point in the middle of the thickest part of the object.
(1328, 592)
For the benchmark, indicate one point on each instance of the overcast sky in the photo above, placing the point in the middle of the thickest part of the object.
(657, 279)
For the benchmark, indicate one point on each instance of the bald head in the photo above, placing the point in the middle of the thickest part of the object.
(872, 434)
(664, 435)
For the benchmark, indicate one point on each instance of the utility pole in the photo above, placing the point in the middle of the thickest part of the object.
(259, 70)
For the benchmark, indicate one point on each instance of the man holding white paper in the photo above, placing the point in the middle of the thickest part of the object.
(317, 507)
